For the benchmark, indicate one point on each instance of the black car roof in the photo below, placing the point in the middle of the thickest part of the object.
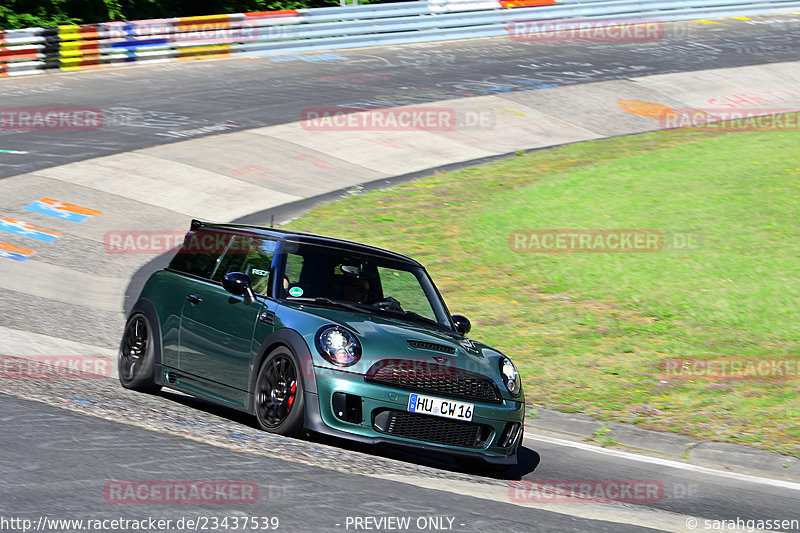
(302, 237)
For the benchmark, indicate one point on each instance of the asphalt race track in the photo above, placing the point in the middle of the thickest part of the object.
(149, 105)
(303, 498)
(50, 436)
(63, 441)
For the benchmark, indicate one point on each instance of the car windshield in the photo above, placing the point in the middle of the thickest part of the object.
(359, 281)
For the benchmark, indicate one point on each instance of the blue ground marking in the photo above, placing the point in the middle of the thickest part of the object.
(50, 210)
(26, 230)
(14, 256)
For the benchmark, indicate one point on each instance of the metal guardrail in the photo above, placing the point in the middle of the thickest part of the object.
(33, 50)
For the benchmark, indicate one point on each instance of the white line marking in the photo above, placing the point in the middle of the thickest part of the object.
(627, 514)
(665, 462)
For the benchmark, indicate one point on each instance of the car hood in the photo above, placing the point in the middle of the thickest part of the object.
(385, 337)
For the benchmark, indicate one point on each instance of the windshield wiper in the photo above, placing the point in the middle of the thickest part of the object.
(366, 308)
(328, 301)
(414, 316)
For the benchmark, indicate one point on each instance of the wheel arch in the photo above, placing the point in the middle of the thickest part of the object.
(295, 342)
(148, 309)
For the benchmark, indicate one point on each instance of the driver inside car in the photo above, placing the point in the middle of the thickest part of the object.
(355, 289)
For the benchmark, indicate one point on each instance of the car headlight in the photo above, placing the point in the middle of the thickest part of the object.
(510, 375)
(338, 346)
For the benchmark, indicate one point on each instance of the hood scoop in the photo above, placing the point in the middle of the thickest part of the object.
(432, 346)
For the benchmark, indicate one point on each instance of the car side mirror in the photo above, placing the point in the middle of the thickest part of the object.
(462, 324)
(238, 284)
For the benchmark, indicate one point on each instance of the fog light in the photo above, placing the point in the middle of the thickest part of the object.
(510, 434)
(347, 407)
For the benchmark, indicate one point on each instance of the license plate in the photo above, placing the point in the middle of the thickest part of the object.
(417, 403)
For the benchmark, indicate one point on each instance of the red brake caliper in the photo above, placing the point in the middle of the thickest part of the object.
(291, 393)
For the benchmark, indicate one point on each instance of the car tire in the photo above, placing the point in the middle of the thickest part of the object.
(136, 362)
(278, 400)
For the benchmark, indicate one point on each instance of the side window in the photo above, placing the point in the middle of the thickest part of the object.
(294, 266)
(292, 275)
(250, 255)
(199, 253)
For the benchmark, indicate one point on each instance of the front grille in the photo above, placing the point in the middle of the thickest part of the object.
(432, 346)
(431, 428)
(422, 376)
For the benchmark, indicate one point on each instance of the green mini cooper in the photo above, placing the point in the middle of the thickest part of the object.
(321, 334)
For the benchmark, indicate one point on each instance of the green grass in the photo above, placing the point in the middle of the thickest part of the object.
(600, 438)
(590, 330)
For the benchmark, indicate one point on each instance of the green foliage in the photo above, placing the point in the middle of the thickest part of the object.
(27, 13)
(600, 438)
(44, 13)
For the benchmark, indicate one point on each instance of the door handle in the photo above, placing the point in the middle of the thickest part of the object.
(193, 298)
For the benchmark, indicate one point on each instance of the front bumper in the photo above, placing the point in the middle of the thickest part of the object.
(492, 418)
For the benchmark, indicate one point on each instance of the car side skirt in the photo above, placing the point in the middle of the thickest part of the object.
(205, 389)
